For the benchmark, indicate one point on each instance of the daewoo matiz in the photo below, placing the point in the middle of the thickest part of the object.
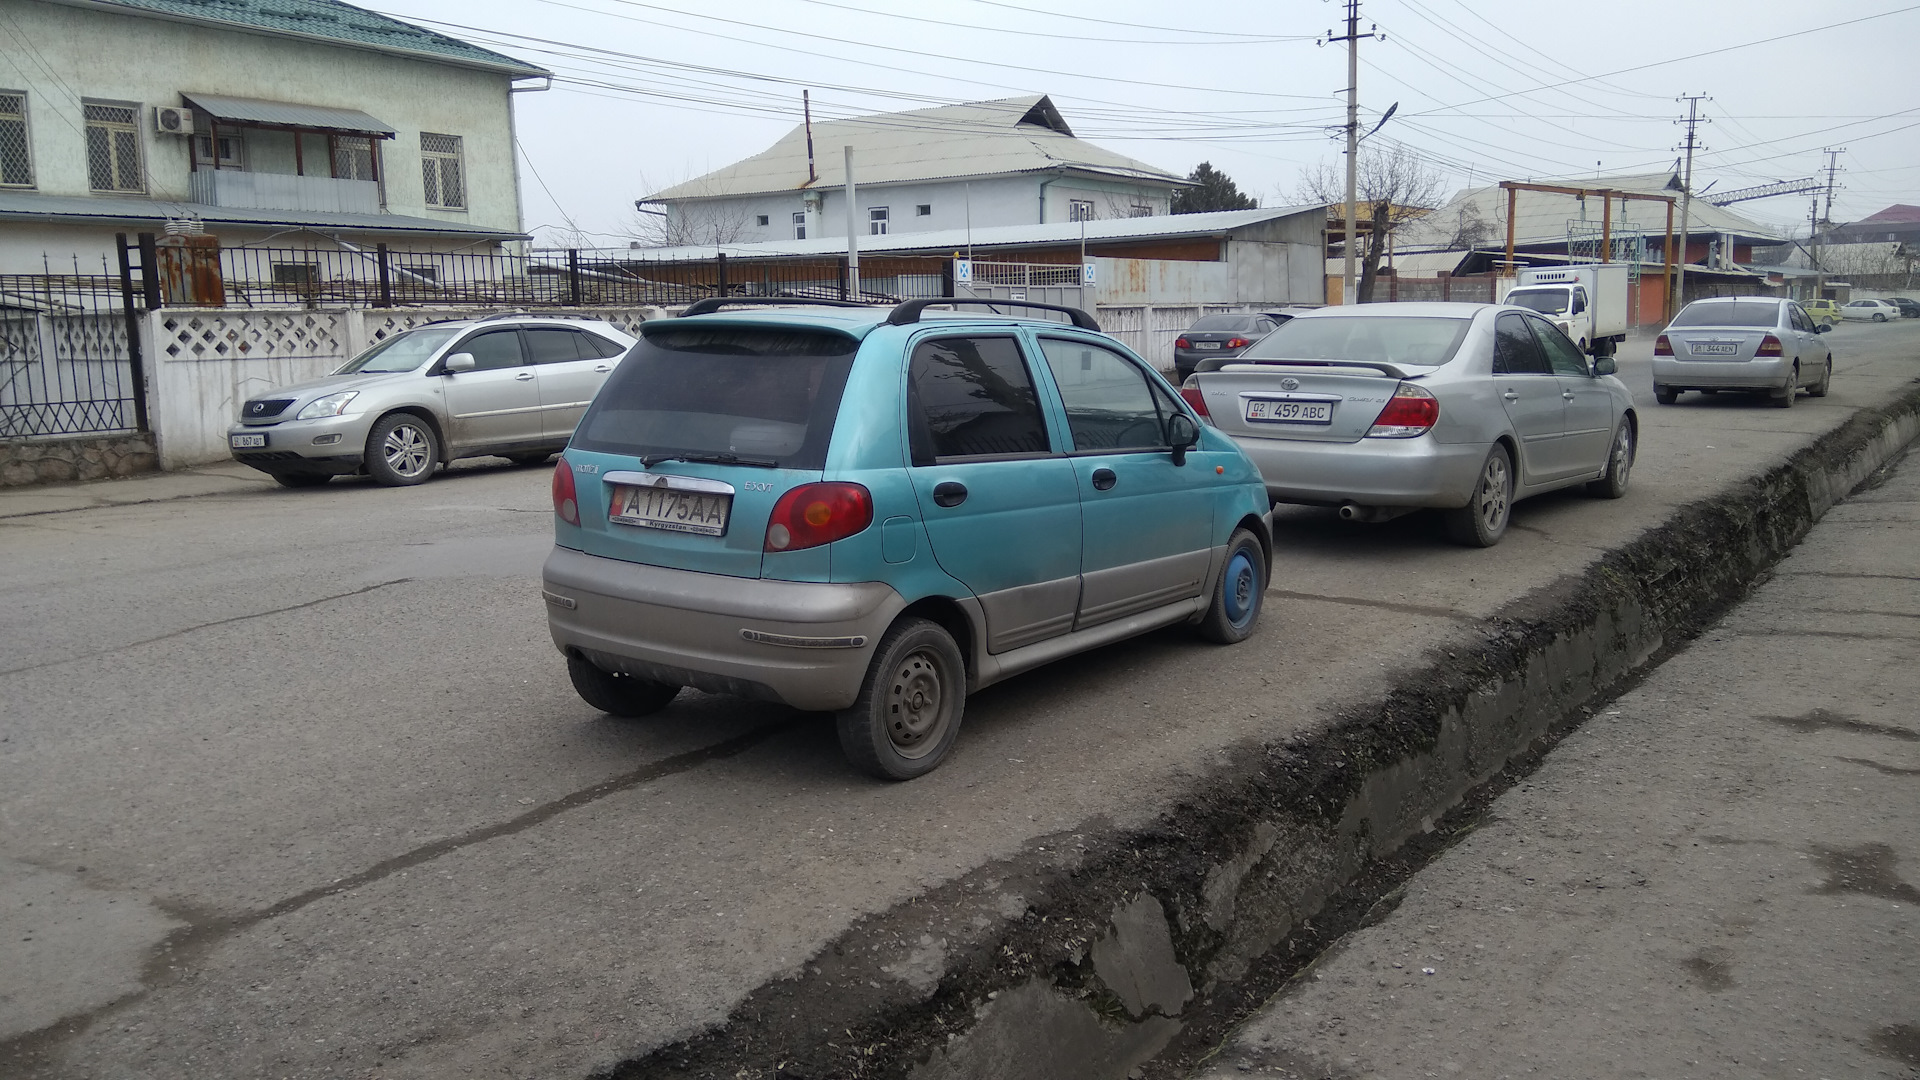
(878, 511)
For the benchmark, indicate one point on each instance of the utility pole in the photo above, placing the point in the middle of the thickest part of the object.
(1693, 121)
(1833, 166)
(1352, 37)
(1822, 220)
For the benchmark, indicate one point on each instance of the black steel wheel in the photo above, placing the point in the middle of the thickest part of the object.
(908, 712)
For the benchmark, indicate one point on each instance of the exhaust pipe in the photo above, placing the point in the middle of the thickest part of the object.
(1354, 512)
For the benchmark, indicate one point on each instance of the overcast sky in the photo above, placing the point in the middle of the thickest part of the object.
(649, 94)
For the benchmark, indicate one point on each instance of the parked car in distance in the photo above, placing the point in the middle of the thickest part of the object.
(507, 385)
(879, 511)
(1825, 312)
(1383, 409)
(1876, 310)
(1219, 335)
(1909, 308)
(1754, 343)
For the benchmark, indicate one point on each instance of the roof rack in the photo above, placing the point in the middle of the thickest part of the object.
(909, 312)
(711, 304)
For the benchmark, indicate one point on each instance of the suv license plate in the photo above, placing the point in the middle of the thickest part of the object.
(1714, 349)
(701, 512)
(1290, 412)
(245, 442)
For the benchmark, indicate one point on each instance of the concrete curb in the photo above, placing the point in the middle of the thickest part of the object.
(1079, 958)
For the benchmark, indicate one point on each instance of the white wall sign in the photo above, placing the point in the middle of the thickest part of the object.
(963, 271)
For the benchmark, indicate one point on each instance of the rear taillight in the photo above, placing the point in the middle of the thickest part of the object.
(565, 502)
(1410, 411)
(1769, 346)
(1182, 343)
(1192, 396)
(1238, 343)
(1662, 347)
(815, 514)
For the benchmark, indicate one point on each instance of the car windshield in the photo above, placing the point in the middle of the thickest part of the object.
(401, 352)
(1223, 323)
(1420, 340)
(1544, 301)
(761, 394)
(1734, 313)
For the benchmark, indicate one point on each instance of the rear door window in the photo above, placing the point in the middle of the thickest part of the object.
(557, 346)
(493, 350)
(758, 394)
(972, 397)
(1515, 352)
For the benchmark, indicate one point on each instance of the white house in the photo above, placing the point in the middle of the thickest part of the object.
(306, 123)
(980, 165)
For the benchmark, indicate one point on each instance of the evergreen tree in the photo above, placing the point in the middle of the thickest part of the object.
(1215, 191)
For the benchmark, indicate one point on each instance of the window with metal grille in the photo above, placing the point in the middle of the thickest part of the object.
(299, 273)
(442, 171)
(353, 158)
(113, 148)
(1140, 210)
(16, 154)
(1080, 210)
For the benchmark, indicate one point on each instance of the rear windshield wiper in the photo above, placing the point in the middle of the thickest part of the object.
(648, 461)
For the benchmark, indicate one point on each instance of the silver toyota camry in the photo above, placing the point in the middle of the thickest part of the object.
(1383, 409)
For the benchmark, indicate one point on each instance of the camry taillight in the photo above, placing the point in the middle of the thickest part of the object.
(1769, 346)
(1182, 343)
(1662, 347)
(1410, 411)
(1238, 343)
(1192, 396)
(565, 502)
(815, 514)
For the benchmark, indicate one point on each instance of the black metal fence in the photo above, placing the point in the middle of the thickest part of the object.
(381, 277)
(66, 363)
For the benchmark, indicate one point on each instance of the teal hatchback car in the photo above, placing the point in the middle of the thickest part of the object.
(877, 511)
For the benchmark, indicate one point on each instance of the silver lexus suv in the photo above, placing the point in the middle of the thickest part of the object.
(506, 385)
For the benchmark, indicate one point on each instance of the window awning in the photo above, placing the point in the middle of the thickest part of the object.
(286, 114)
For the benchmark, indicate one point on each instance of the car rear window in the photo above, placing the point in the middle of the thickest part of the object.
(1222, 322)
(1421, 340)
(1734, 313)
(762, 393)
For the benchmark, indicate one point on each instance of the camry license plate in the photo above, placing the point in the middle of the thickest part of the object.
(672, 509)
(1714, 348)
(247, 442)
(1290, 412)
(1206, 344)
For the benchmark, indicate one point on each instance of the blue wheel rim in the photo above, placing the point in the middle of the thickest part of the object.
(1241, 588)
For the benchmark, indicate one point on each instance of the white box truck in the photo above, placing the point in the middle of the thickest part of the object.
(1588, 302)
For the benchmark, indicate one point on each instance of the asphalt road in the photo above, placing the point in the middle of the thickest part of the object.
(1716, 876)
(293, 784)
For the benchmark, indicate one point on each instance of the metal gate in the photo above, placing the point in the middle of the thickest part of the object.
(69, 355)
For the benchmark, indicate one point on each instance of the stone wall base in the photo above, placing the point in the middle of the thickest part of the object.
(88, 457)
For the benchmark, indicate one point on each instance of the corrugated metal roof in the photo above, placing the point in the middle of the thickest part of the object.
(985, 138)
(327, 20)
(947, 241)
(287, 114)
(89, 210)
(1541, 217)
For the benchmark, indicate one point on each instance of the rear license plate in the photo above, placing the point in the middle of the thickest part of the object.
(1206, 344)
(246, 442)
(1714, 348)
(1290, 412)
(701, 512)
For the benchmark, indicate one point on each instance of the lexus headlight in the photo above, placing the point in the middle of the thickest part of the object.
(331, 405)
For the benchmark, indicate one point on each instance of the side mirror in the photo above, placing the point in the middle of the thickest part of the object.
(1821, 328)
(1604, 365)
(460, 361)
(1183, 434)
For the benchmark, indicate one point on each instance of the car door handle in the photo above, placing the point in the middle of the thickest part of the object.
(949, 493)
(602, 368)
(1103, 479)
(1568, 394)
(523, 376)
(1511, 396)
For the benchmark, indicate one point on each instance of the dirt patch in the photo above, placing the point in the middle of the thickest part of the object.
(1264, 864)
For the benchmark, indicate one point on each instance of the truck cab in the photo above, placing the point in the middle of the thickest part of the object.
(1587, 303)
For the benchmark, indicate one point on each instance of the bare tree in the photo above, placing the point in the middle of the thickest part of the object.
(1393, 186)
(687, 223)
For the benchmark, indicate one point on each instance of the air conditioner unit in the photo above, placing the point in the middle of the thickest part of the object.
(168, 121)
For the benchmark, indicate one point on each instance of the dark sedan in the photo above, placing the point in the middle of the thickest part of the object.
(1219, 335)
(1909, 309)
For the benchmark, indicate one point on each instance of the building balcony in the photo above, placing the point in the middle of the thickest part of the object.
(284, 191)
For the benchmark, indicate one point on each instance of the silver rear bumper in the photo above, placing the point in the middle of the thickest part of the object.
(1372, 472)
(803, 643)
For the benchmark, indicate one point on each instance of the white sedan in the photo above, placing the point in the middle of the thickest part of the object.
(1877, 310)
